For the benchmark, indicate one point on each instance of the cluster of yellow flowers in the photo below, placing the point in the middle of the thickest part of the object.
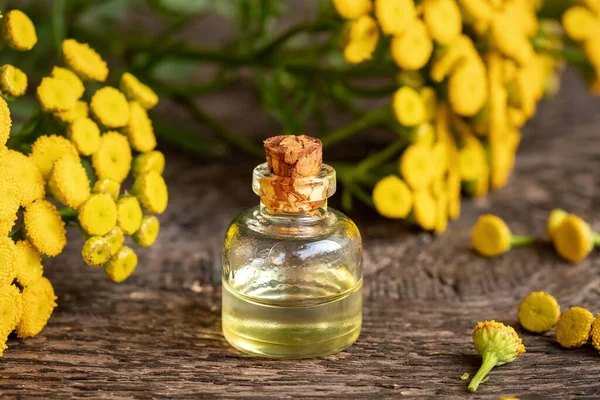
(73, 176)
(468, 79)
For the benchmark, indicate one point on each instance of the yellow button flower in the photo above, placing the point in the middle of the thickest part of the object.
(573, 239)
(491, 237)
(115, 238)
(352, 9)
(424, 135)
(467, 88)
(49, 148)
(579, 23)
(539, 312)
(96, 251)
(71, 78)
(28, 264)
(440, 158)
(151, 191)
(425, 210)
(451, 56)
(18, 30)
(395, 16)
(11, 195)
(137, 91)
(79, 111)
(480, 10)
(392, 197)
(39, 302)
(69, 182)
(11, 309)
(595, 333)
(113, 158)
(8, 254)
(139, 129)
(13, 81)
(26, 174)
(412, 49)
(129, 214)
(107, 186)
(110, 107)
(56, 95)
(472, 161)
(554, 220)
(84, 60)
(502, 161)
(574, 327)
(98, 215)
(85, 135)
(148, 232)
(122, 265)
(362, 38)
(509, 37)
(408, 107)
(443, 20)
(45, 228)
(146, 162)
(441, 213)
(5, 122)
(416, 166)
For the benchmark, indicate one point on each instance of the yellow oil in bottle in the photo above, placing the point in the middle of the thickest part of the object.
(294, 317)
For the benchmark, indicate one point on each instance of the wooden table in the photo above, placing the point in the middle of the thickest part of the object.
(159, 333)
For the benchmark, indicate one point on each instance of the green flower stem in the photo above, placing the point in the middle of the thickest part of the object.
(380, 157)
(370, 119)
(68, 214)
(596, 239)
(516, 240)
(272, 46)
(489, 361)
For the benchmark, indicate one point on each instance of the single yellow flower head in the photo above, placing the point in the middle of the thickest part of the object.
(98, 215)
(39, 302)
(137, 91)
(70, 78)
(129, 214)
(56, 95)
(10, 197)
(555, 218)
(430, 101)
(409, 107)
(8, 260)
(412, 49)
(107, 186)
(46, 150)
(69, 182)
(472, 162)
(467, 89)
(509, 37)
(7, 225)
(573, 327)
(443, 20)
(85, 135)
(110, 107)
(579, 23)
(362, 38)
(26, 174)
(44, 228)
(113, 158)
(18, 30)
(395, 16)
(490, 236)
(146, 162)
(441, 213)
(11, 309)
(13, 81)
(79, 111)
(497, 344)
(539, 312)
(352, 9)
(115, 239)
(28, 264)
(151, 191)
(122, 265)
(416, 166)
(139, 129)
(516, 117)
(595, 333)
(425, 210)
(84, 60)
(148, 232)
(96, 251)
(392, 197)
(573, 239)
(5, 122)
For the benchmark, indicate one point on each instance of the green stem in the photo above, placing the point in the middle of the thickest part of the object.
(596, 239)
(517, 240)
(370, 119)
(489, 361)
(380, 157)
(270, 47)
(68, 214)
(361, 195)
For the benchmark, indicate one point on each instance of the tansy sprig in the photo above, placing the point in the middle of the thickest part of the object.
(491, 237)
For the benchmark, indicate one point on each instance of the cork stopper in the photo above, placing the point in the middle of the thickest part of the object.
(294, 156)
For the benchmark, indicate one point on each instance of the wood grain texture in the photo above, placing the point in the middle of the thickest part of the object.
(158, 334)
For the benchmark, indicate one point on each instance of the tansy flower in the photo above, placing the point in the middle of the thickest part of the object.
(79, 111)
(362, 38)
(392, 197)
(69, 182)
(454, 207)
(424, 134)
(129, 214)
(115, 239)
(395, 16)
(11, 195)
(573, 239)
(107, 186)
(39, 302)
(443, 20)
(416, 166)
(430, 101)
(579, 23)
(6, 225)
(44, 228)
(28, 263)
(412, 49)
(49, 148)
(113, 158)
(121, 265)
(71, 78)
(352, 9)
(5, 122)
(480, 10)
(440, 158)
(110, 107)
(509, 37)
(96, 251)
(424, 210)
(151, 191)
(458, 51)
(84, 60)
(11, 309)
(148, 232)
(441, 213)
(13, 81)
(56, 95)
(573, 327)
(502, 161)
(539, 312)
(18, 30)
(137, 91)
(472, 162)
(85, 135)
(7, 261)
(26, 174)
(595, 333)
(467, 88)
(491, 237)
(408, 107)
(98, 215)
(146, 162)
(554, 219)
(139, 129)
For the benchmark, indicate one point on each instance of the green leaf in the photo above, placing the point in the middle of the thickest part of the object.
(89, 170)
(187, 7)
(174, 70)
(58, 24)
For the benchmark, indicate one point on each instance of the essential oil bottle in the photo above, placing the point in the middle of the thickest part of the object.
(292, 267)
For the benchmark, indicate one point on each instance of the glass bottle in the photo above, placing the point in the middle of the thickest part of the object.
(292, 270)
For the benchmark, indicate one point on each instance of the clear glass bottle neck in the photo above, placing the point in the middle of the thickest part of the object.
(282, 218)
